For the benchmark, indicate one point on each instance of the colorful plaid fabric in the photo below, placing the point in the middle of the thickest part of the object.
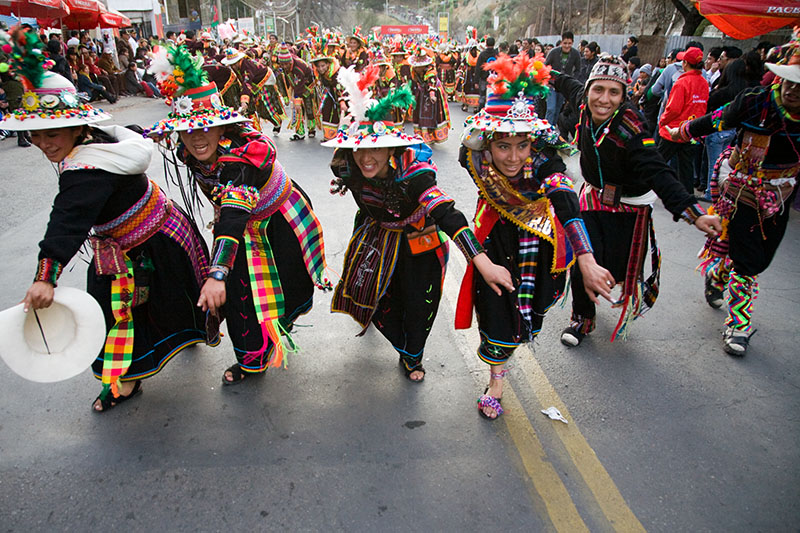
(178, 228)
(308, 231)
(118, 351)
(265, 285)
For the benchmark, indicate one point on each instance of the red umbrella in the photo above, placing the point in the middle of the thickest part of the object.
(114, 19)
(34, 8)
(83, 14)
(743, 19)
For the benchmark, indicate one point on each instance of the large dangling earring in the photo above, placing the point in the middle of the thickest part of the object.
(393, 162)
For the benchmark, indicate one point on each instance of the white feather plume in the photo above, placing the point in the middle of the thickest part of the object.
(160, 67)
(357, 100)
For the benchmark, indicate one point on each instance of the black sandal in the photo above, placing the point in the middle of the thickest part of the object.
(297, 137)
(312, 134)
(418, 368)
(237, 374)
(112, 401)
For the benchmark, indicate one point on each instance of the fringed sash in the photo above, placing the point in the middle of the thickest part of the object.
(268, 297)
(639, 295)
(111, 258)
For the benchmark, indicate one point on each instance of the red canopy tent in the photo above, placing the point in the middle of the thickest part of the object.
(743, 19)
(35, 8)
(114, 19)
(84, 14)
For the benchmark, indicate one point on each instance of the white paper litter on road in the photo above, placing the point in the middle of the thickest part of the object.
(554, 414)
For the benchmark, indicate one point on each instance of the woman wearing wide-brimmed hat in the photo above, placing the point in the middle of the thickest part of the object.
(333, 105)
(268, 252)
(149, 259)
(528, 219)
(356, 54)
(431, 114)
(394, 265)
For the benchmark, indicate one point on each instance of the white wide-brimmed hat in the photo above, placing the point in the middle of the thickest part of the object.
(49, 100)
(790, 72)
(232, 56)
(53, 104)
(73, 331)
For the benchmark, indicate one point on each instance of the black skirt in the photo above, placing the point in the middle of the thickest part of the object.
(499, 317)
(169, 320)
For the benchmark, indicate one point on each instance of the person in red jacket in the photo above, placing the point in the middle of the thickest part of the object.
(687, 101)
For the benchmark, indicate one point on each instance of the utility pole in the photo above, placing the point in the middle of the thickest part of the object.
(604, 17)
(569, 16)
(296, 19)
(588, 10)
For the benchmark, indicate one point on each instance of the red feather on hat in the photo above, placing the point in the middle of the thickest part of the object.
(505, 70)
(368, 77)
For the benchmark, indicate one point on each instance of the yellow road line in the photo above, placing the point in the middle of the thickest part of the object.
(546, 481)
(560, 507)
(595, 476)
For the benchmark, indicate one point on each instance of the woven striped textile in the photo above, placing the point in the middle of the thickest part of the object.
(117, 354)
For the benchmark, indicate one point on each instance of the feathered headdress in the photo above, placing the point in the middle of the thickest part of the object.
(357, 86)
(788, 66)
(514, 87)
(368, 126)
(518, 76)
(195, 102)
(177, 71)
(49, 100)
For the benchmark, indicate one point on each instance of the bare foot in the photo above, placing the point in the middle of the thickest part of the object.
(416, 375)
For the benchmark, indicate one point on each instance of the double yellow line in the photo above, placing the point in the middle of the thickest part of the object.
(548, 486)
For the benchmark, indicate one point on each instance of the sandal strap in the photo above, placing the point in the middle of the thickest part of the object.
(490, 401)
(500, 375)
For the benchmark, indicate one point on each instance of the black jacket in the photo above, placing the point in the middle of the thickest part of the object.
(627, 156)
(484, 57)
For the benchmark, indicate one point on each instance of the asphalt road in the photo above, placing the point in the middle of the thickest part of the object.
(666, 432)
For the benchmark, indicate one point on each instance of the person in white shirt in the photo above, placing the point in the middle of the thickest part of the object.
(73, 39)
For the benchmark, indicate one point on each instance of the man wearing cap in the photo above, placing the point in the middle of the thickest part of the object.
(754, 183)
(687, 100)
(663, 85)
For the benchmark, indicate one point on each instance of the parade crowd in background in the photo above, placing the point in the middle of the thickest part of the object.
(717, 127)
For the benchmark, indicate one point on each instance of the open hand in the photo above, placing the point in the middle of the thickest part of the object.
(596, 279)
(496, 276)
(711, 225)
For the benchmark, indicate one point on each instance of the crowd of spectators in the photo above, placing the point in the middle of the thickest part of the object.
(99, 70)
